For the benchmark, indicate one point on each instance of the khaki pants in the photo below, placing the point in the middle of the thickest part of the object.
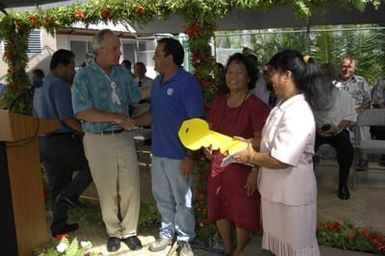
(114, 167)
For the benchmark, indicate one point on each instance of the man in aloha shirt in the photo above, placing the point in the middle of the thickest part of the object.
(359, 90)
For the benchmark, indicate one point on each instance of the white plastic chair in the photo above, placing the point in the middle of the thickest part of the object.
(370, 117)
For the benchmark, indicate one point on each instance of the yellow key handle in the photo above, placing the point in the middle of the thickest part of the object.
(195, 133)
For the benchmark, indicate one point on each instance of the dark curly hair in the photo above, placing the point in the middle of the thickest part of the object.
(250, 67)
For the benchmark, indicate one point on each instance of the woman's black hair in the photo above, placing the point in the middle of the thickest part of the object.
(250, 68)
(308, 77)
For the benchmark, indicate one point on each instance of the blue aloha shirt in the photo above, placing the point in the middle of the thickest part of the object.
(92, 90)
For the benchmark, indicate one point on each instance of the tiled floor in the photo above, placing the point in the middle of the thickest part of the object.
(365, 208)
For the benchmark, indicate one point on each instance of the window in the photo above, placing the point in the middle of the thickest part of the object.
(80, 49)
(146, 52)
(35, 42)
(129, 52)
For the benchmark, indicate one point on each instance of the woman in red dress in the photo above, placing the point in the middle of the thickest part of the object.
(233, 198)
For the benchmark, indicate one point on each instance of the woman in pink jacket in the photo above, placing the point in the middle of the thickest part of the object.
(286, 179)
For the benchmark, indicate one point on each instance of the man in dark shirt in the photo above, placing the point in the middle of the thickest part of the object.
(61, 150)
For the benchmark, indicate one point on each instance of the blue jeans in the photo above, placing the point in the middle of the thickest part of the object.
(173, 196)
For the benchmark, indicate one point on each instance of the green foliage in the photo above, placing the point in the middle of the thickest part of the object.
(267, 44)
(366, 46)
(90, 214)
(16, 33)
(65, 247)
(205, 229)
(327, 44)
(149, 215)
(348, 237)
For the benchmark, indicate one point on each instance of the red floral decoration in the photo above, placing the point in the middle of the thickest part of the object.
(48, 22)
(61, 236)
(107, 14)
(80, 14)
(197, 58)
(193, 30)
(346, 236)
(140, 10)
(35, 21)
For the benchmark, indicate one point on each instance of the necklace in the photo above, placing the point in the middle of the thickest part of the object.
(114, 95)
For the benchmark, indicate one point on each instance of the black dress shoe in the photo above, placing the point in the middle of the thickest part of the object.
(113, 244)
(64, 229)
(343, 193)
(132, 242)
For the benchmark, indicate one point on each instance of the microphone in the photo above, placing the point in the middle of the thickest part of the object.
(28, 92)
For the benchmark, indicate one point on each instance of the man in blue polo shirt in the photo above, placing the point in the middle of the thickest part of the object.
(175, 97)
(61, 151)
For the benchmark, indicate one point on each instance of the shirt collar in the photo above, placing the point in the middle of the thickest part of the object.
(351, 80)
(284, 105)
(174, 77)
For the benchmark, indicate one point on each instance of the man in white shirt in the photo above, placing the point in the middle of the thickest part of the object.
(332, 129)
(358, 88)
(141, 80)
(140, 75)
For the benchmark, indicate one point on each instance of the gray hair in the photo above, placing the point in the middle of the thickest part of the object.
(98, 40)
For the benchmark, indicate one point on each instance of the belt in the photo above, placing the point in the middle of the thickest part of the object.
(57, 134)
(110, 132)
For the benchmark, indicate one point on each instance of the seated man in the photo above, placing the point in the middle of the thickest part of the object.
(332, 129)
(358, 88)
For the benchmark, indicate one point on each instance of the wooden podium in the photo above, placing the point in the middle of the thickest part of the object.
(23, 219)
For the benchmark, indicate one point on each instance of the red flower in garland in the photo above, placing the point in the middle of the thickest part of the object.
(61, 236)
(49, 21)
(80, 14)
(35, 21)
(197, 58)
(193, 30)
(106, 13)
(140, 10)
